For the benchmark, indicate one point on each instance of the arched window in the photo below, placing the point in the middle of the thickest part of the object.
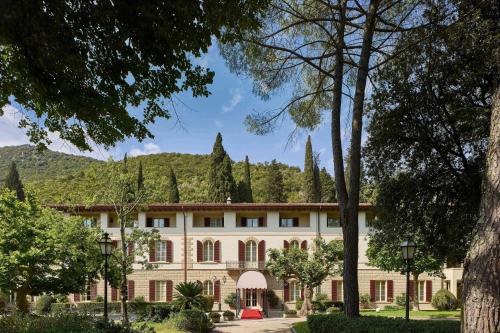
(295, 244)
(208, 251)
(251, 251)
(294, 291)
(208, 288)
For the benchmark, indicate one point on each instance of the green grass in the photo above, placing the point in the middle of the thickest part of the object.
(161, 328)
(434, 314)
(301, 327)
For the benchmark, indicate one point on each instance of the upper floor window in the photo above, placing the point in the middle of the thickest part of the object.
(288, 222)
(157, 222)
(214, 222)
(251, 251)
(333, 222)
(208, 288)
(161, 251)
(380, 291)
(294, 291)
(252, 222)
(294, 244)
(208, 251)
(90, 222)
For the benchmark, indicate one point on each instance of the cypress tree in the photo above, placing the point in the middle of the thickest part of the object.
(245, 186)
(308, 182)
(140, 178)
(316, 181)
(328, 191)
(173, 190)
(221, 184)
(13, 182)
(275, 190)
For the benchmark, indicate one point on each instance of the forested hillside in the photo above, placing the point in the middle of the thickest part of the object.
(60, 178)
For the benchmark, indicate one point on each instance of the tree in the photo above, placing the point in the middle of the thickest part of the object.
(189, 295)
(221, 184)
(245, 186)
(140, 178)
(44, 251)
(309, 269)
(317, 179)
(327, 186)
(13, 182)
(308, 188)
(75, 69)
(173, 190)
(274, 184)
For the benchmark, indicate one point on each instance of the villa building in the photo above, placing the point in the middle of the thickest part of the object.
(223, 246)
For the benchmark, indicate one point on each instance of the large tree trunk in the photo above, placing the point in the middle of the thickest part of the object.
(123, 286)
(481, 293)
(306, 308)
(21, 301)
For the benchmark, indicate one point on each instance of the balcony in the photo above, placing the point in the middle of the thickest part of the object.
(246, 265)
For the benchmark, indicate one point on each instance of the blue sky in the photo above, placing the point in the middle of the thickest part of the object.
(224, 111)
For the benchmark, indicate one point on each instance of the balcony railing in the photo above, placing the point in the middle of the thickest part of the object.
(246, 265)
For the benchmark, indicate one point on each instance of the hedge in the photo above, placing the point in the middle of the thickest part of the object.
(138, 308)
(338, 323)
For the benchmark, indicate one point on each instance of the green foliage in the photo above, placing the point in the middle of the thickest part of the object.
(272, 298)
(328, 191)
(173, 190)
(444, 300)
(400, 300)
(298, 304)
(99, 298)
(82, 82)
(154, 312)
(221, 184)
(245, 185)
(290, 312)
(228, 313)
(392, 307)
(230, 300)
(320, 297)
(43, 304)
(61, 298)
(274, 184)
(13, 183)
(333, 309)
(214, 315)
(364, 300)
(189, 295)
(192, 321)
(308, 188)
(338, 323)
(209, 303)
(58, 309)
(140, 177)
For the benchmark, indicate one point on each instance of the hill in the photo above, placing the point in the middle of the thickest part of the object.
(64, 178)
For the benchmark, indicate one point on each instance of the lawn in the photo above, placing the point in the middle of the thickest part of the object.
(301, 327)
(161, 328)
(434, 314)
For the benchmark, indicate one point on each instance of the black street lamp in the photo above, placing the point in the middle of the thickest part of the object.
(408, 248)
(106, 250)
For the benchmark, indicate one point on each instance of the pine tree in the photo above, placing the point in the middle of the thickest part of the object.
(328, 192)
(316, 181)
(274, 184)
(140, 178)
(308, 185)
(13, 182)
(245, 185)
(173, 190)
(221, 184)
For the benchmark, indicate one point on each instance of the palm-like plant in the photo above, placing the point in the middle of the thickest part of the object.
(189, 295)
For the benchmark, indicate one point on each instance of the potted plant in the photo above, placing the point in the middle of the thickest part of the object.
(290, 313)
(231, 300)
(215, 316)
(228, 315)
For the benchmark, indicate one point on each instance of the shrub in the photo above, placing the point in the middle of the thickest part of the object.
(93, 308)
(228, 313)
(61, 298)
(231, 300)
(291, 312)
(99, 299)
(209, 303)
(444, 300)
(298, 304)
(321, 297)
(333, 309)
(339, 323)
(364, 300)
(401, 300)
(214, 315)
(392, 307)
(338, 304)
(156, 312)
(272, 299)
(43, 304)
(4, 300)
(192, 321)
(58, 309)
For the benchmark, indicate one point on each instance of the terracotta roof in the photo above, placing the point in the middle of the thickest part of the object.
(215, 207)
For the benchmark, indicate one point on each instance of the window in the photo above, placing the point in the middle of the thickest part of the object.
(208, 288)
(253, 222)
(160, 291)
(208, 251)
(380, 292)
(250, 297)
(251, 251)
(294, 291)
(340, 291)
(157, 222)
(89, 222)
(85, 297)
(333, 222)
(294, 244)
(216, 222)
(421, 291)
(161, 251)
(288, 222)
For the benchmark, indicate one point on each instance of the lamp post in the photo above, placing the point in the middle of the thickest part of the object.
(408, 248)
(106, 249)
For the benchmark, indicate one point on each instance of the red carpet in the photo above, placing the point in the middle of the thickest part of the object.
(251, 314)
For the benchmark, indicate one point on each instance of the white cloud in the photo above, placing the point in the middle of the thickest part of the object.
(218, 123)
(149, 148)
(236, 98)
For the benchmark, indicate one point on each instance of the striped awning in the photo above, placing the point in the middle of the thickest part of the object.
(251, 280)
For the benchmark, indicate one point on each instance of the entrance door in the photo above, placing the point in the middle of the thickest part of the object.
(250, 298)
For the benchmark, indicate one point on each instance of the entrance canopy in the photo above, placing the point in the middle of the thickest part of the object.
(251, 280)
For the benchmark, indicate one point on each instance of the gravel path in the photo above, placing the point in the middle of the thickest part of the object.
(270, 325)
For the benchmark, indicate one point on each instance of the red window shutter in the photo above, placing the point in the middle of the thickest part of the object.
(167, 222)
(170, 249)
(286, 291)
(372, 290)
(303, 245)
(76, 297)
(243, 221)
(390, 290)
(295, 221)
(152, 291)
(149, 222)
(170, 289)
(241, 251)
(411, 290)
(207, 221)
(131, 289)
(217, 251)
(428, 291)
(114, 244)
(217, 291)
(131, 248)
(261, 221)
(93, 292)
(152, 254)
(334, 290)
(262, 251)
(286, 245)
(114, 294)
(199, 251)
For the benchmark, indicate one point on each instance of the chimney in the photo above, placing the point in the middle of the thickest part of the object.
(228, 201)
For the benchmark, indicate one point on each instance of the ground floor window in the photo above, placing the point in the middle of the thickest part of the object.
(421, 291)
(160, 291)
(380, 291)
(340, 291)
(250, 297)
(294, 291)
(208, 288)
